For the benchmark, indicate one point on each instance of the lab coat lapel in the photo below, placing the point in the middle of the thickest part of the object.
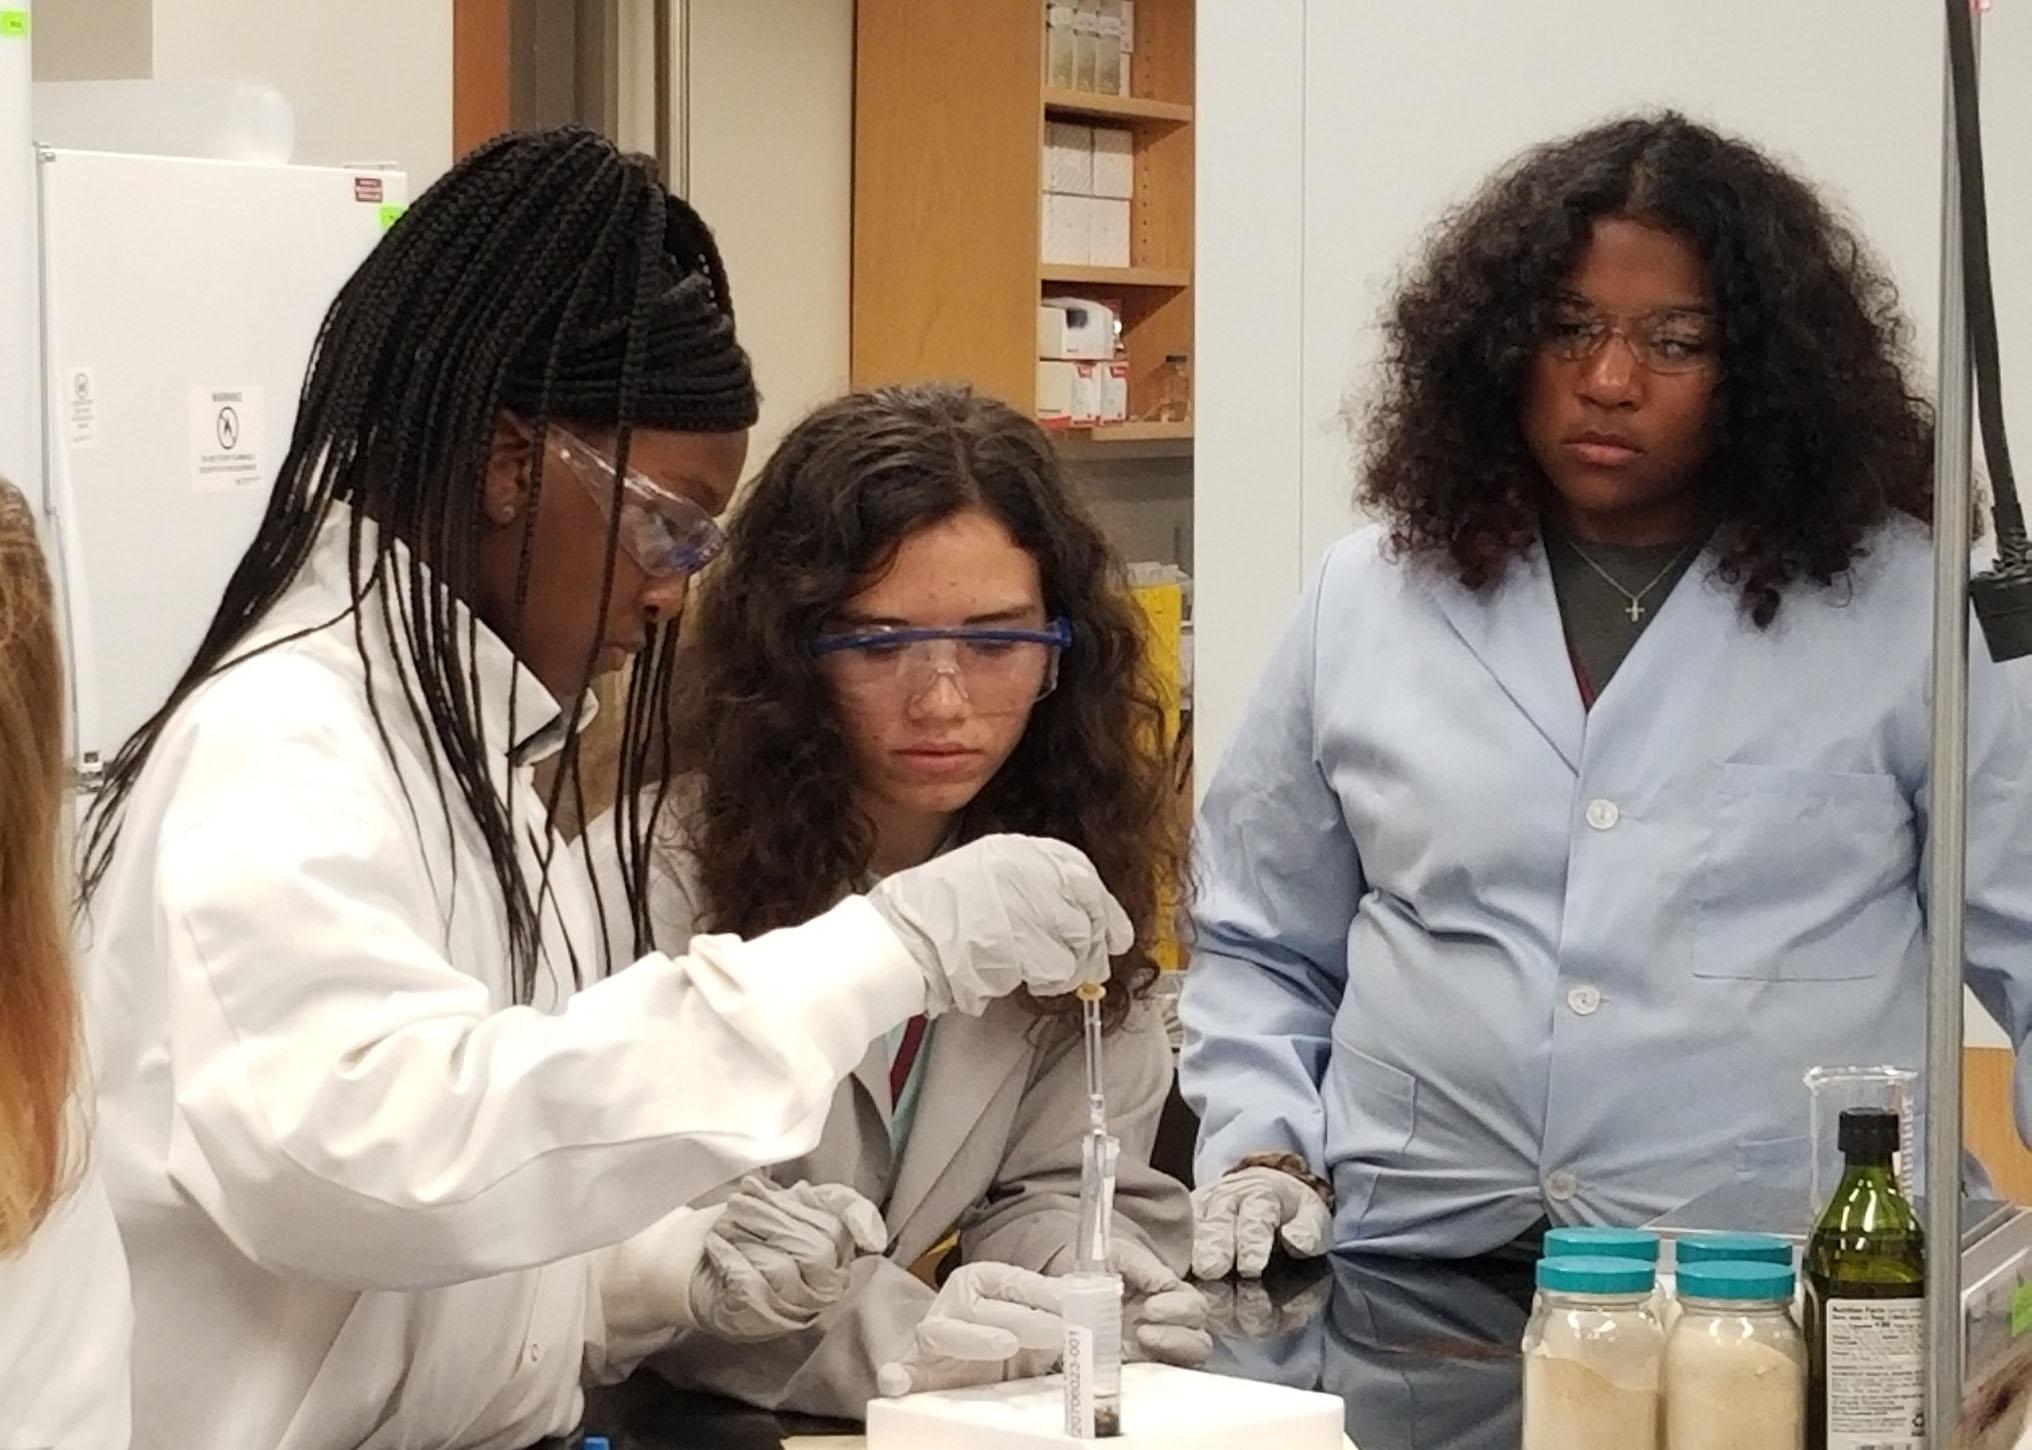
(967, 1061)
(1513, 628)
(1682, 648)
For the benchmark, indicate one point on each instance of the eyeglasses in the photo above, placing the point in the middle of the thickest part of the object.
(997, 671)
(1673, 340)
(663, 531)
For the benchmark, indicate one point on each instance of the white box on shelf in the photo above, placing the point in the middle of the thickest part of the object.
(1086, 394)
(1058, 45)
(1162, 1406)
(1069, 159)
(1107, 231)
(1068, 229)
(1114, 388)
(1128, 47)
(1055, 382)
(1108, 61)
(1112, 170)
(1086, 37)
(1075, 328)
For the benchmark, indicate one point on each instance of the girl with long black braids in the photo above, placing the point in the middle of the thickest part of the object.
(397, 1154)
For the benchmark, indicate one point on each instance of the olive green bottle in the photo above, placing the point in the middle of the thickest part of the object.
(1866, 1301)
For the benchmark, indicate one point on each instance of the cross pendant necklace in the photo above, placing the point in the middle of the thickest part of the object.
(1636, 606)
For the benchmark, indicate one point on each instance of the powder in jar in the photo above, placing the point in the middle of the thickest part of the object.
(1574, 1406)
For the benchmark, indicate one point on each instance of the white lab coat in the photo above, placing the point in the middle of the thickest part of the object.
(993, 1154)
(360, 1192)
(66, 1331)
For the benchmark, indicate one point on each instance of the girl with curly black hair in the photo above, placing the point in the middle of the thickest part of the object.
(1585, 805)
(920, 638)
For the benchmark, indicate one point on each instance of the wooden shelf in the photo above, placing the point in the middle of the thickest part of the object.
(1115, 108)
(1173, 277)
(1117, 433)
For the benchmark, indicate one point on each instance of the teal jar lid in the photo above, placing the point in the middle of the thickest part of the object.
(1596, 1276)
(1736, 1281)
(1736, 1248)
(1601, 1243)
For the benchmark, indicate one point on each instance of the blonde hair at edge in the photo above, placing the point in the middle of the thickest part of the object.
(38, 1011)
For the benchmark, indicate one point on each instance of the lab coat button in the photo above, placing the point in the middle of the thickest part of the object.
(1584, 1000)
(535, 1354)
(1603, 815)
(1561, 1185)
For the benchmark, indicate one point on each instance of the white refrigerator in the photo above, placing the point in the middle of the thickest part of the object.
(180, 300)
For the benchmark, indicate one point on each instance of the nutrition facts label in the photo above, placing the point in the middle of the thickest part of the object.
(1876, 1376)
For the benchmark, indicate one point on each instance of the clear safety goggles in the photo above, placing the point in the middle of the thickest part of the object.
(662, 530)
(1674, 340)
(996, 670)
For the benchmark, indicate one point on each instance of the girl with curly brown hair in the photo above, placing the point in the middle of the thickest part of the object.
(920, 638)
(1584, 806)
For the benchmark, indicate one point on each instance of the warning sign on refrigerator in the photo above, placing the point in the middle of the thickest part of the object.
(227, 452)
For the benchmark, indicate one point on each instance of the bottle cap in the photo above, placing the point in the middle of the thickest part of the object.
(1740, 1248)
(594, 1442)
(1596, 1276)
(1736, 1280)
(1871, 1132)
(1601, 1243)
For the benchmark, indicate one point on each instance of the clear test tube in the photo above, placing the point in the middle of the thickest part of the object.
(1092, 1306)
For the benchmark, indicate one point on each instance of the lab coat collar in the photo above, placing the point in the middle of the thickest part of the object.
(518, 718)
(1513, 628)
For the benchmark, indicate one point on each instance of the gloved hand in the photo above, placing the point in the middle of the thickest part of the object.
(1238, 1219)
(777, 1258)
(989, 1323)
(994, 1322)
(1166, 1318)
(1000, 913)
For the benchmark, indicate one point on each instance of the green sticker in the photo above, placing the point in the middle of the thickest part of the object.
(2021, 1309)
(14, 24)
(391, 212)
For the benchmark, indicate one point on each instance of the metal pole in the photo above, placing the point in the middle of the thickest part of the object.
(1948, 826)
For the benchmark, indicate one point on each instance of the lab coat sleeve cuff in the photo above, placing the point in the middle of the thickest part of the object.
(641, 1292)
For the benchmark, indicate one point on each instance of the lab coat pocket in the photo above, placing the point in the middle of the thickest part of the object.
(1371, 1115)
(1373, 1107)
(1804, 875)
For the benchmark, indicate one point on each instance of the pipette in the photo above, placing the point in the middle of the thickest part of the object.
(1099, 1152)
(1092, 1303)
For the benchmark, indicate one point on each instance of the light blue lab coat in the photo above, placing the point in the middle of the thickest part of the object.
(1480, 956)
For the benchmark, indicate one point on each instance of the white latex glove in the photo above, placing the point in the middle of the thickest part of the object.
(1238, 1219)
(989, 1323)
(994, 1322)
(1000, 913)
(777, 1258)
(1165, 1316)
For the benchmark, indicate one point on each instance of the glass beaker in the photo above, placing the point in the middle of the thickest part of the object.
(1833, 1090)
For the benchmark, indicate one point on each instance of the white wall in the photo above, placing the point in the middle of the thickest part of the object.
(772, 162)
(369, 80)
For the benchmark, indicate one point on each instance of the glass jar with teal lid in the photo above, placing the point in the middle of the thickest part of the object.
(1735, 1361)
(1601, 1243)
(1594, 1357)
(1731, 1248)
